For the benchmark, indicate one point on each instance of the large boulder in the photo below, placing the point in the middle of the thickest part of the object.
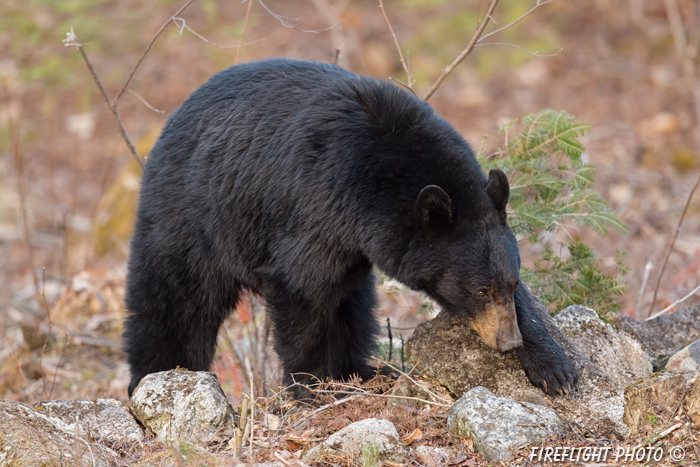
(450, 353)
(612, 349)
(499, 426)
(667, 334)
(182, 405)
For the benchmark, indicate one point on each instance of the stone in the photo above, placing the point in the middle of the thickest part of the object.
(615, 351)
(666, 334)
(652, 400)
(447, 351)
(686, 362)
(107, 421)
(373, 439)
(48, 436)
(499, 426)
(692, 402)
(182, 405)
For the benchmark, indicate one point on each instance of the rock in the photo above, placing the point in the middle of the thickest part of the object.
(432, 455)
(182, 405)
(665, 335)
(447, 351)
(47, 434)
(692, 403)
(652, 400)
(499, 426)
(108, 421)
(686, 362)
(373, 439)
(616, 352)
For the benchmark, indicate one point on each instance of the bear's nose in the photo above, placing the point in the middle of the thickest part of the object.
(509, 345)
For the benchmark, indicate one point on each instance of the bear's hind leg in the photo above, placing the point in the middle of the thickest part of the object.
(172, 323)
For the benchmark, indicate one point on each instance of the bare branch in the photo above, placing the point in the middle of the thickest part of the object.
(693, 292)
(409, 85)
(398, 81)
(185, 26)
(464, 52)
(146, 103)
(673, 241)
(523, 16)
(149, 47)
(72, 40)
(285, 21)
(245, 25)
(534, 54)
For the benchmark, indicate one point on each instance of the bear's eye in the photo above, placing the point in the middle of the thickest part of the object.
(482, 292)
(515, 285)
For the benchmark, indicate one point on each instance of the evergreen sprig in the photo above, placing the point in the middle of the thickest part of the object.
(551, 187)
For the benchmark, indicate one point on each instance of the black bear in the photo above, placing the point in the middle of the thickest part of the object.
(292, 179)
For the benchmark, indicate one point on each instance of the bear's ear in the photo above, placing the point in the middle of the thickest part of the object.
(433, 211)
(498, 189)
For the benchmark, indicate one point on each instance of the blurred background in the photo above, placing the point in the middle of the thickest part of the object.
(69, 185)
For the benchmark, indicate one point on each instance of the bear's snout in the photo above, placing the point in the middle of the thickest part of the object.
(498, 327)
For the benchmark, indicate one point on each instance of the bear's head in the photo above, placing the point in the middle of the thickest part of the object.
(476, 257)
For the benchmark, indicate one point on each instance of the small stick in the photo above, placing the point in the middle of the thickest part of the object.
(19, 363)
(673, 241)
(638, 310)
(245, 24)
(252, 414)
(148, 48)
(396, 43)
(391, 344)
(674, 304)
(464, 52)
(72, 40)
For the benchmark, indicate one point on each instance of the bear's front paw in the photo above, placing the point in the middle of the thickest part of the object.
(548, 369)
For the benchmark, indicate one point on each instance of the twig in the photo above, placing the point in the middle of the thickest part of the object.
(647, 271)
(148, 48)
(409, 85)
(144, 102)
(322, 409)
(72, 40)
(245, 24)
(285, 21)
(674, 304)
(19, 363)
(383, 396)
(407, 375)
(58, 365)
(252, 412)
(464, 52)
(673, 241)
(388, 328)
(534, 54)
(520, 18)
(210, 42)
(48, 334)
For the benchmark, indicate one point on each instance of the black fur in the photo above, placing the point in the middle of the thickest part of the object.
(291, 179)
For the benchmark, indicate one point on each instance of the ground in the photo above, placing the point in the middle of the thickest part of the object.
(65, 167)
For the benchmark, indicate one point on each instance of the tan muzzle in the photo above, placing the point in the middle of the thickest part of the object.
(498, 327)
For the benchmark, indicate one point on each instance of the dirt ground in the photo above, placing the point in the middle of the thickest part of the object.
(68, 183)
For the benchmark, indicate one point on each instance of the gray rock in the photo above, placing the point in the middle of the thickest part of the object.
(373, 437)
(450, 353)
(657, 396)
(499, 426)
(182, 405)
(615, 351)
(686, 362)
(32, 436)
(107, 421)
(667, 334)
